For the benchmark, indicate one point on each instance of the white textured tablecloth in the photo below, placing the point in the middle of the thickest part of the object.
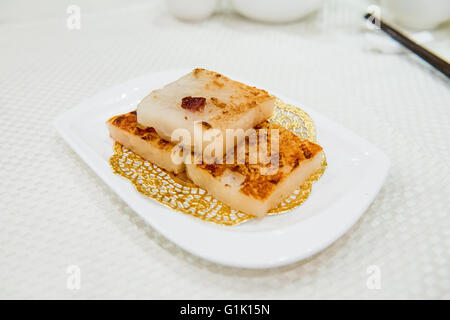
(55, 212)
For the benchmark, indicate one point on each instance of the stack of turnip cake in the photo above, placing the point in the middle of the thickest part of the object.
(216, 130)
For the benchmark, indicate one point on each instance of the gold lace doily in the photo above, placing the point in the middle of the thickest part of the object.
(178, 193)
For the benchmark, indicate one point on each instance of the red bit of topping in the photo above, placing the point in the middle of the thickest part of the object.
(193, 103)
(206, 125)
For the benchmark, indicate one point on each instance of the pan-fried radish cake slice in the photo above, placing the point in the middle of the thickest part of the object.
(204, 100)
(256, 187)
(144, 141)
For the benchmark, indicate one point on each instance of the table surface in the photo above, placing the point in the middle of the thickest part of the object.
(56, 213)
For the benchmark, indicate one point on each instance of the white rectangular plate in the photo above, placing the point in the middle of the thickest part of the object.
(356, 171)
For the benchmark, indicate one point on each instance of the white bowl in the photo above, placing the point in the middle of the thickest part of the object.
(276, 11)
(192, 10)
(417, 14)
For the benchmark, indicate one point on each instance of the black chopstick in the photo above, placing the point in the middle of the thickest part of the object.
(433, 59)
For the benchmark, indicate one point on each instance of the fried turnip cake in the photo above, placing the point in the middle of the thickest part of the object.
(256, 188)
(144, 141)
(208, 102)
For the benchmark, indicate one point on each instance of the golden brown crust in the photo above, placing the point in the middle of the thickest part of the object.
(128, 122)
(244, 97)
(292, 152)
